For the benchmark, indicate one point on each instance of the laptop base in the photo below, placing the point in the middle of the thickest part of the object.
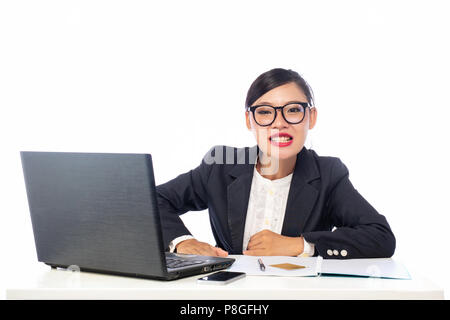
(170, 275)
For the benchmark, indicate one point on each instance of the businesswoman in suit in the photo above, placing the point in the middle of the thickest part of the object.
(278, 197)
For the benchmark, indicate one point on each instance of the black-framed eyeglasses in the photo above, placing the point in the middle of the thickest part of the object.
(293, 113)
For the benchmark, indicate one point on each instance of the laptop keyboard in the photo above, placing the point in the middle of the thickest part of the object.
(174, 262)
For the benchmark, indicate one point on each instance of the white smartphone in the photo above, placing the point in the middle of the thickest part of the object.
(221, 277)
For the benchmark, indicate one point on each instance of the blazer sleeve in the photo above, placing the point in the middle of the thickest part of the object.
(361, 232)
(187, 192)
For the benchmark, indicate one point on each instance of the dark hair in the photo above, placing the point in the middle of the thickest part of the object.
(275, 78)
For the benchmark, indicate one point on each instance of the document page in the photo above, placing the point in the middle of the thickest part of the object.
(277, 266)
(314, 266)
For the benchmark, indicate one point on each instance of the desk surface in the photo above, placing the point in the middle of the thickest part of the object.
(41, 282)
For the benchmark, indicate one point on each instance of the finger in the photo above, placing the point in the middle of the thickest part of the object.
(254, 244)
(221, 253)
(207, 251)
(197, 248)
(201, 248)
(256, 236)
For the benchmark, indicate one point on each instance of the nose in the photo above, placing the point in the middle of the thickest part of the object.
(279, 120)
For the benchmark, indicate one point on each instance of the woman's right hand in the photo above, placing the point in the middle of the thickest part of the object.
(193, 246)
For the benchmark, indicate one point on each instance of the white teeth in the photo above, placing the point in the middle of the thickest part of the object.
(281, 139)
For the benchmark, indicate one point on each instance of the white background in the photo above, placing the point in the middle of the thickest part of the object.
(170, 78)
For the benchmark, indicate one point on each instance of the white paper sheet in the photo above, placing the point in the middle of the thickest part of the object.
(250, 266)
(376, 268)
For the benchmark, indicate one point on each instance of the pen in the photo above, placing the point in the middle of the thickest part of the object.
(261, 265)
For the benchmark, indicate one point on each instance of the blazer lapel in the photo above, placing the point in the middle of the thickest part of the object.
(238, 194)
(302, 196)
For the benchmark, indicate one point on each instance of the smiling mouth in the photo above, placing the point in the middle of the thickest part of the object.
(281, 139)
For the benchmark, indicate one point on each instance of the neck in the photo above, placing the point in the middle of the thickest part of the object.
(273, 168)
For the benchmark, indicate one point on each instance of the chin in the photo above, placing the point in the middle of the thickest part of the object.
(284, 153)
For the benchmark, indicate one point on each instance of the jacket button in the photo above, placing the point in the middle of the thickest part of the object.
(344, 253)
(330, 252)
(335, 252)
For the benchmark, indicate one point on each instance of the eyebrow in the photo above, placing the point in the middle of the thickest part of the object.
(270, 104)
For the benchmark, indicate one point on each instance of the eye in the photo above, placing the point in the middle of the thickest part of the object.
(295, 109)
(264, 111)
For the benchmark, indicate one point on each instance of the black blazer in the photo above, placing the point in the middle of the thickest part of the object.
(320, 198)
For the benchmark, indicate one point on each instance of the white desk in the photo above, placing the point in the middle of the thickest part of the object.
(41, 282)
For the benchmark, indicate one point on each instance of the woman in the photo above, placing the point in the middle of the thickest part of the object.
(276, 198)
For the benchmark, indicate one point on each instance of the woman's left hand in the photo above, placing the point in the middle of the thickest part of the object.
(268, 243)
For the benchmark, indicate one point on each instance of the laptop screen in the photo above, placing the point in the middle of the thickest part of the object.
(94, 210)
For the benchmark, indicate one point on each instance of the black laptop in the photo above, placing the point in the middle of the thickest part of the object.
(98, 212)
